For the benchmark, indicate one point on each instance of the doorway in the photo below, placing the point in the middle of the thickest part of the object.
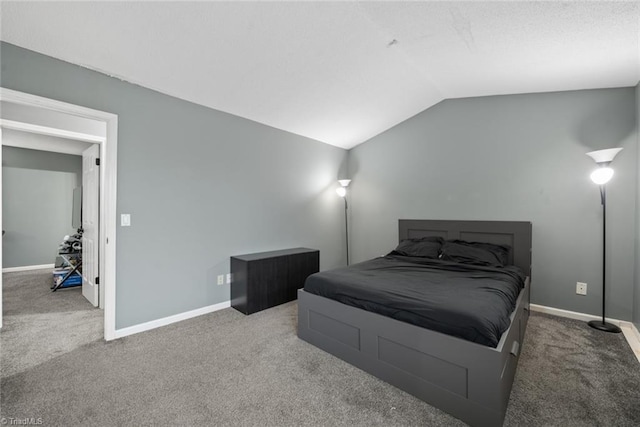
(36, 114)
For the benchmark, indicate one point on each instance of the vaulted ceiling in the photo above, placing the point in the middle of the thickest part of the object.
(337, 72)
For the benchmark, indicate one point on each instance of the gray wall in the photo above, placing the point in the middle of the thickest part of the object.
(200, 185)
(519, 157)
(636, 314)
(37, 195)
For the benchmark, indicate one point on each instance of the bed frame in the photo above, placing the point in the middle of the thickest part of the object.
(468, 380)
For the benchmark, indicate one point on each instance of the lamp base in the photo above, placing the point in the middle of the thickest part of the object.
(604, 326)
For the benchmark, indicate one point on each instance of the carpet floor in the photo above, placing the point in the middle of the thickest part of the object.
(39, 325)
(225, 368)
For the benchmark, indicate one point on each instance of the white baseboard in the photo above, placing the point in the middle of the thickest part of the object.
(629, 330)
(27, 268)
(635, 332)
(633, 338)
(572, 314)
(142, 327)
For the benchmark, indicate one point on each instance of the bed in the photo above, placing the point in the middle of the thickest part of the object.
(469, 380)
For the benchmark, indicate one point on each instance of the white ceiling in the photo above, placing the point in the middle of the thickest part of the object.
(341, 72)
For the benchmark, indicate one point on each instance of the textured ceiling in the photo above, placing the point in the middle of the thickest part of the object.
(341, 72)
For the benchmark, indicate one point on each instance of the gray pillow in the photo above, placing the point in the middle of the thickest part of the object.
(424, 247)
(477, 253)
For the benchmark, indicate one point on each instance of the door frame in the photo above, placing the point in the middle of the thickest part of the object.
(108, 191)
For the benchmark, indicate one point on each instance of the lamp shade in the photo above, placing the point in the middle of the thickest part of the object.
(604, 156)
(602, 175)
(344, 182)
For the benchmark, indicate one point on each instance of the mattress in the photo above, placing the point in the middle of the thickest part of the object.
(466, 301)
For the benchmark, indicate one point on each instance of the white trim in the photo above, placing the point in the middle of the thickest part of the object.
(45, 143)
(629, 330)
(108, 195)
(27, 268)
(142, 327)
(572, 314)
(49, 131)
(2, 236)
(108, 199)
(633, 338)
(635, 331)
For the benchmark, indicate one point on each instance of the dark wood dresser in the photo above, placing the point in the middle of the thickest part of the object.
(267, 279)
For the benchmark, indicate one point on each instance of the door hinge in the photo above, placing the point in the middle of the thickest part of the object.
(97, 281)
(97, 162)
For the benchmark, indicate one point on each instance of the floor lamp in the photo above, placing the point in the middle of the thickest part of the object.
(601, 176)
(342, 192)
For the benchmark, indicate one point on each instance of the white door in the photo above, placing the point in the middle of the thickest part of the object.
(90, 218)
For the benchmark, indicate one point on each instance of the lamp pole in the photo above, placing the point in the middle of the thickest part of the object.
(597, 324)
(603, 197)
(342, 192)
(346, 227)
(601, 176)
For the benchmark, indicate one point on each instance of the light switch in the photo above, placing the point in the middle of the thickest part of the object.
(125, 220)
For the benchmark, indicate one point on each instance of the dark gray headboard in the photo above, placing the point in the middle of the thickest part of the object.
(516, 234)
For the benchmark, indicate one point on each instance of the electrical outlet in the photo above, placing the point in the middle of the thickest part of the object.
(221, 279)
(581, 288)
(228, 278)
